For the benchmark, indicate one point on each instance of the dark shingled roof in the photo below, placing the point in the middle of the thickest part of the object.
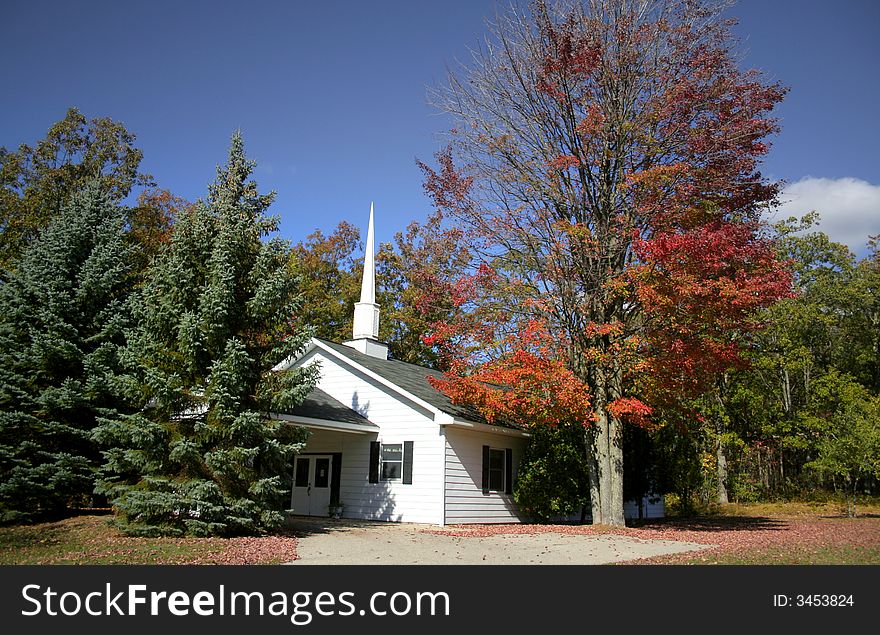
(319, 405)
(411, 378)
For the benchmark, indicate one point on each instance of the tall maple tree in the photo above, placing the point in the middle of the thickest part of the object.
(605, 170)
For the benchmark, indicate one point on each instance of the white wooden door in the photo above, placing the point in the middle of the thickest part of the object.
(311, 485)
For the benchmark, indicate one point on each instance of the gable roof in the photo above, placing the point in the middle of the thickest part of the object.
(411, 378)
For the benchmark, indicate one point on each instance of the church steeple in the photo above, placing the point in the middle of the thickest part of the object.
(365, 331)
(368, 283)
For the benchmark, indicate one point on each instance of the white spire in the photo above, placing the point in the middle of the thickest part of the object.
(365, 330)
(368, 284)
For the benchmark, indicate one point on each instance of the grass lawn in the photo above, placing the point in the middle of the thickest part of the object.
(90, 540)
(795, 533)
(814, 554)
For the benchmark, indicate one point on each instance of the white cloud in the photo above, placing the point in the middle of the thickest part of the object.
(849, 208)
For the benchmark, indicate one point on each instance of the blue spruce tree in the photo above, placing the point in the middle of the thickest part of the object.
(62, 316)
(201, 455)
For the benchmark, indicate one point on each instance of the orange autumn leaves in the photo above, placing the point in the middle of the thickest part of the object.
(526, 386)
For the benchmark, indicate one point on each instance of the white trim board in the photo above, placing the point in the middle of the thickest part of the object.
(485, 427)
(326, 424)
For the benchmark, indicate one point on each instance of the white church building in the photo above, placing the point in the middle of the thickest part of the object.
(386, 445)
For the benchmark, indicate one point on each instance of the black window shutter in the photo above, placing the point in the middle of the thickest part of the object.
(407, 462)
(508, 471)
(485, 469)
(374, 461)
(337, 477)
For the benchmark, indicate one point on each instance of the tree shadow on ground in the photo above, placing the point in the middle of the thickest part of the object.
(712, 523)
(842, 515)
(303, 526)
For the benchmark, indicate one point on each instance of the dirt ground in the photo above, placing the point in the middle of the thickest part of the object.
(324, 541)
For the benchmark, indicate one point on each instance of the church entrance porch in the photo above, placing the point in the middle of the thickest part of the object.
(315, 484)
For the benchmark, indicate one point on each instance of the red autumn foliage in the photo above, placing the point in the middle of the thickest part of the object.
(526, 386)
(701, 289)
(631, 410)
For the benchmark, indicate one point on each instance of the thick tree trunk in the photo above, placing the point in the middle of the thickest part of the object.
(605, 461)
(593, 472)
(615, 465)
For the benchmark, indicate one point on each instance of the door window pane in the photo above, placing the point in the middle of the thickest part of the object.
(322, 472)
(302, 473)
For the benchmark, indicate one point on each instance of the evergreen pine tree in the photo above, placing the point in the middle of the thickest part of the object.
(62, 316)
(201, 456)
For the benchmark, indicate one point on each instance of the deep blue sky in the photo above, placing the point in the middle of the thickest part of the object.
(331, 95)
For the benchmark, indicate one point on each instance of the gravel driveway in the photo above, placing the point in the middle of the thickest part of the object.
(323, 541)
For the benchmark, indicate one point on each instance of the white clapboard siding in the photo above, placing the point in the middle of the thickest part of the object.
(465, 500)
(398, 421)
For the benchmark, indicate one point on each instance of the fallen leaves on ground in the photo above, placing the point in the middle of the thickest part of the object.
(724, 535)
(90, 540)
